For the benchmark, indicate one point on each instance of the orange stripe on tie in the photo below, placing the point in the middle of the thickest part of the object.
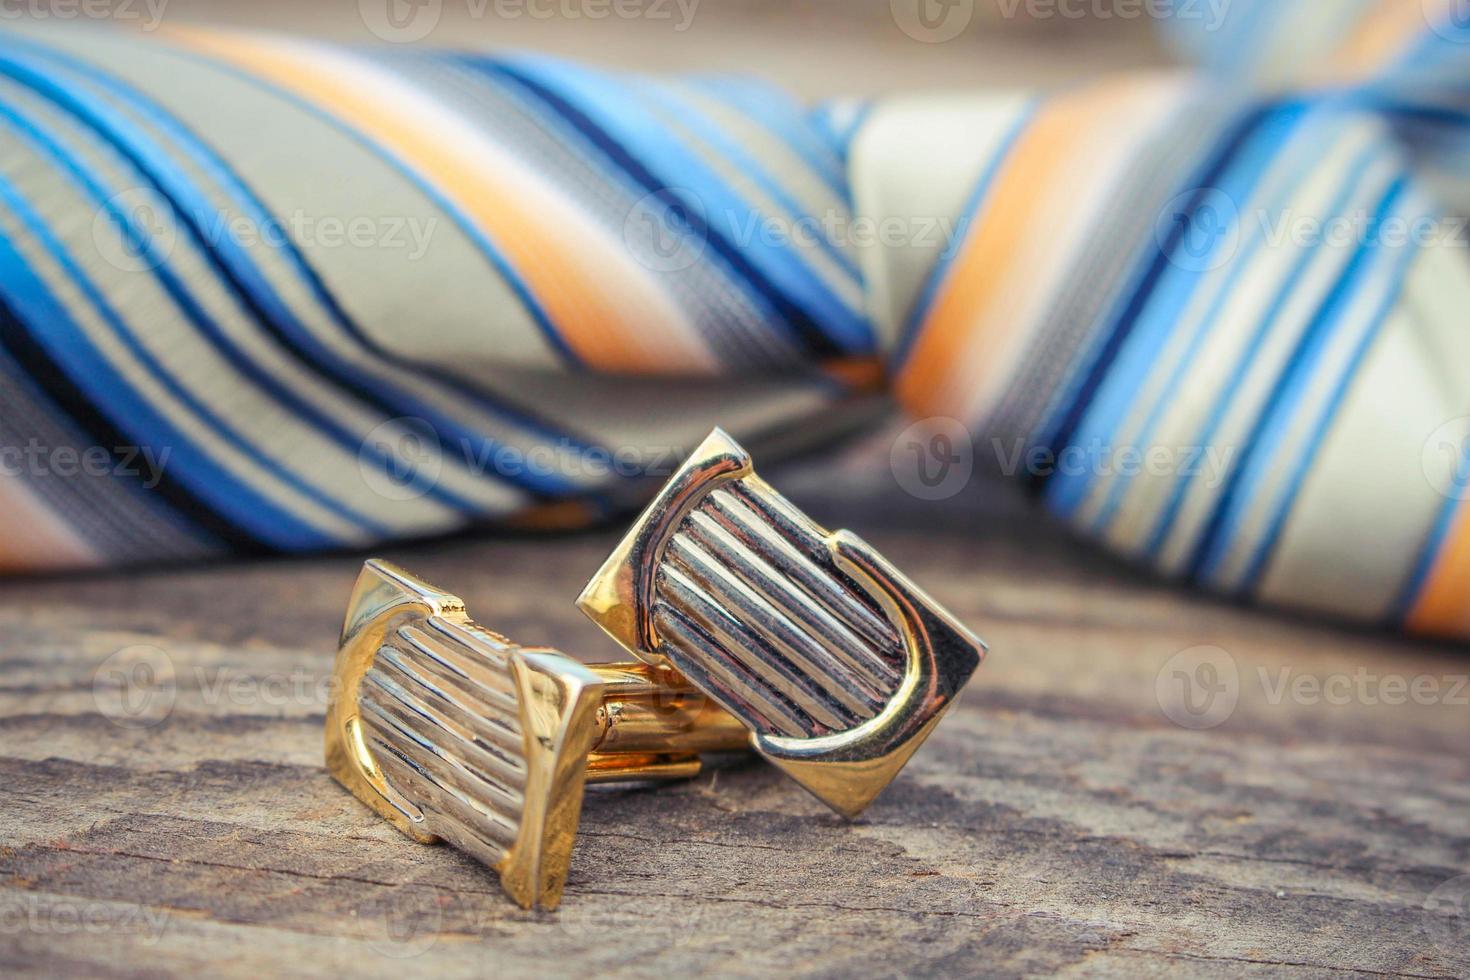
(607, 312)
(858, 374)
(951, 345)
(1383, 34)
(1443, 607)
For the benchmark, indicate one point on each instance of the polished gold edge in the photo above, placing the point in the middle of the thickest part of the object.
(848, 770)
(617, 596)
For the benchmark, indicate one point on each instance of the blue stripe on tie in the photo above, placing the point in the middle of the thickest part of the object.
(1165, 521)
(34, 380)
(1239, 267)
(842, 133)
(261, 298)
(689, 116)
(773, 110)
(171, 500)
(1077, 394)
(89, 185)
(636, 142)
(50, 325)
(1267, 545)
(723, 314)
(203, 156)
(924, 302)
(487, 248)
(1159, 313)
(275, 315)
(1399, 107)
(1271, 423)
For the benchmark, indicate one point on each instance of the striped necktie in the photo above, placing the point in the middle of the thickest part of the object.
(264, 294)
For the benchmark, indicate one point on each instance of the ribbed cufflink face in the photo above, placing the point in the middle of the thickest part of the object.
(837, 664)
(452, 732)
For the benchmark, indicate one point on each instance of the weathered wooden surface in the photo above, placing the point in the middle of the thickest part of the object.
(1058, 821)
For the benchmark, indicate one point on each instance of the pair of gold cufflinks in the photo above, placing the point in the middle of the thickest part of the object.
(753, 627)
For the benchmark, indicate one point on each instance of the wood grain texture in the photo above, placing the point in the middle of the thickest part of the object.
(1057, 823)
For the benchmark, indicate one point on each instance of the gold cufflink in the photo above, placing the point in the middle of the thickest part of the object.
(452, 732)
(837, 663)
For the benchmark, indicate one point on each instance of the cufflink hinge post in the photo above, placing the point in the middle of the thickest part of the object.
(652, 724)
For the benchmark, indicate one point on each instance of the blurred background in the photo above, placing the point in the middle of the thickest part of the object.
(817, 48)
